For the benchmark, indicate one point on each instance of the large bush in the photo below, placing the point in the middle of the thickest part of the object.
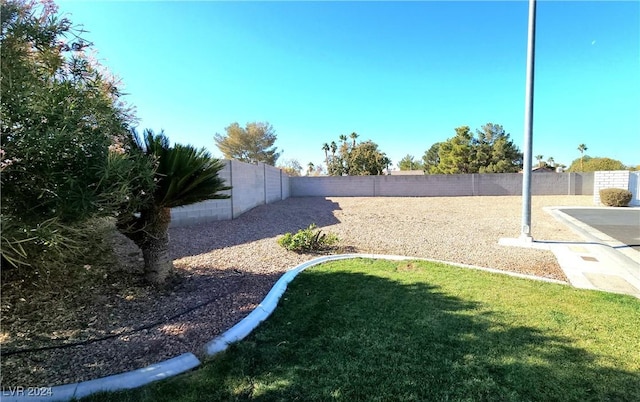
(615, 197)
(65, 140)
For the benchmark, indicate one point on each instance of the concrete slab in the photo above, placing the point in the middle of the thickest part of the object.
(601, 262)
(611, 283)
(621, 224)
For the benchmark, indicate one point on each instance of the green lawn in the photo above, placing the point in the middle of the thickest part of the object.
(373, 330)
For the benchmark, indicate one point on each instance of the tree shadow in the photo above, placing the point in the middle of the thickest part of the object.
(137, 333)
(121, 304)
(275, 219)
(424, 344)
(581, 243)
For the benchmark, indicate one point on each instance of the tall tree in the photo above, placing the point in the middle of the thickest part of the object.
(455, 153)
(582, 148)
(408, 163)
(495, 152)
(310, 168)
(539, 159)
(325, 148)
(251, 144)
(343, 138)
(491, 152)
(551, 162)
(431, 158)
(363, 159)
(184, 175)
(353, 137)
(334, 148)
(366, 159)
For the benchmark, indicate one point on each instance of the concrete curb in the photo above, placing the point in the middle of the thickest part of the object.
(188, 361)
(117, 382)
(617, 251)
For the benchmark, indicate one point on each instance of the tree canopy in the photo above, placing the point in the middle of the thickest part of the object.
(489, 151)
(408, 162)
(251, 144)
(431, 158)
(356, 159)
(588, 164)
(291, 167)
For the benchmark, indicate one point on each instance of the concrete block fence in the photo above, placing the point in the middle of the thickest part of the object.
(260, 184)
(441, 185)
(252, 185)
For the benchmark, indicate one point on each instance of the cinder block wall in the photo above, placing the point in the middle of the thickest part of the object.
(560, 183)
(206, 211)
(423, 185)
(272, 184)
(248, 183)
(634, 187)
(255, 185)
(252, 185)
(441, 185)
(609, 179)
(286, 186)
(332, 186)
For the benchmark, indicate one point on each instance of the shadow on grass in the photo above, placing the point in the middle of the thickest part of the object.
(275, 219)
(357, 337)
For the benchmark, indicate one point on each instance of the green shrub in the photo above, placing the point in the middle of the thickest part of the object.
(308, 239)
(615, 197)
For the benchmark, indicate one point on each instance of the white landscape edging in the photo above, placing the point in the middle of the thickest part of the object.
(188, 361)
(117, 382)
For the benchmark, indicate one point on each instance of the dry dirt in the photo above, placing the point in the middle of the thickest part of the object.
(224, 269)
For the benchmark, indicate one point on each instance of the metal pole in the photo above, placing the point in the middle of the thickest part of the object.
(528, 126)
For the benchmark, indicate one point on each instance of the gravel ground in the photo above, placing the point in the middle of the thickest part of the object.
(227, 267)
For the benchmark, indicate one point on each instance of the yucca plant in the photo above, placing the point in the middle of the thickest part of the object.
(184, 175)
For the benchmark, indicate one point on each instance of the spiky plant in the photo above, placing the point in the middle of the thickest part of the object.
(184, 175)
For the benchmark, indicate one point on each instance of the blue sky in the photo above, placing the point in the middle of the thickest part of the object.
(403, 75)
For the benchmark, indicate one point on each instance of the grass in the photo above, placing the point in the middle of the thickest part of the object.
(372, 330)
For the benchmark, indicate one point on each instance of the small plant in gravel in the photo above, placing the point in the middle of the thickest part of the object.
(308, 239)
(615, 197)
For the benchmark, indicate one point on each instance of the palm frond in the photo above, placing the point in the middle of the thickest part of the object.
(185, 175)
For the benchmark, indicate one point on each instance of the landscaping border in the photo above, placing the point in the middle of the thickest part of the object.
(188, 361)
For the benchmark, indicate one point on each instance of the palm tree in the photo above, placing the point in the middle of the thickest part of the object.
(539, 158)
(353, 137)
(581, 148)
(334, 148)
(325, 148)
(310, 168)
(183, 175)
(343, 138)
(551, 162)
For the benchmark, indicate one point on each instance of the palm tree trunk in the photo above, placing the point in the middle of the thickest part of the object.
(158, 265)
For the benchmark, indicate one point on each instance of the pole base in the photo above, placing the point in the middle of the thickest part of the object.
(522, 241)
(526, 238)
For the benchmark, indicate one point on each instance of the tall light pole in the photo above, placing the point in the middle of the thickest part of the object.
(528, 126)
